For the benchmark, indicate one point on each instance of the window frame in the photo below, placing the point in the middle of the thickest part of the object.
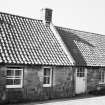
(80, 72)
(102, 80)
(50, 81)
(13, 77)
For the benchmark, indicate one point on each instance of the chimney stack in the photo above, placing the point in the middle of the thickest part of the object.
(47, 16)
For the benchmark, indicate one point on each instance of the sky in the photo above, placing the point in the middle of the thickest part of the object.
(85, 15)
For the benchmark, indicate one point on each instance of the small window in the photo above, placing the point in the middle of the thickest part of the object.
(102, 76)
(14, 78)
(80, 72)
(47, 76)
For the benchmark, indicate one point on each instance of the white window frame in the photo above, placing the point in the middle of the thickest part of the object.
(101, 81)
(81, 72)
(47, 85)
(14, 77)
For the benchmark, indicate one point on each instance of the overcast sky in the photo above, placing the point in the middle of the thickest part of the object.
(86, 15)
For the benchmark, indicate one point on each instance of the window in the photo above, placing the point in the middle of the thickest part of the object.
(14, 77)
(80, 72)
(47, 76)
(102, 76)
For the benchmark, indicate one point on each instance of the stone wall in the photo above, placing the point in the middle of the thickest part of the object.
(62, 84)
(2, 82)
(93, 79)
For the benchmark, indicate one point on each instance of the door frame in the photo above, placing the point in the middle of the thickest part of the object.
(75, 74)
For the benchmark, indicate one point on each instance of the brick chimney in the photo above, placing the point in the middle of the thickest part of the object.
(46, 16)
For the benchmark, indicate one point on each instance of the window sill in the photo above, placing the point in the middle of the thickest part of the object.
(46, 85)
(13, 86)
(101, 83)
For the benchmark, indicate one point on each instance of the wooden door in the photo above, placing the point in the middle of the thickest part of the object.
(80, 80)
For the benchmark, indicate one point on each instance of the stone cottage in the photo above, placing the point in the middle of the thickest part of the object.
(33, 64)
(41, 61)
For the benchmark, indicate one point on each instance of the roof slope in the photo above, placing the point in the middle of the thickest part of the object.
(28, 41)
(87, 49)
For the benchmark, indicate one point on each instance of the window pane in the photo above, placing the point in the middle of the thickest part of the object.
(10, 72)
(9, 81)
(47, 71)
(102, 77)
(17, 72)
(80, 72)
(17, 81)
(14, 77)
(46, 80)
(80, 69)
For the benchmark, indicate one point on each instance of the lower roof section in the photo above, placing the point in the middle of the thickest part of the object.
(87, 49)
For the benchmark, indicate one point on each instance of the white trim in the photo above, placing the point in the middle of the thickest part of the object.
(47, 85)
(86, 73)
(101, 81)
(14, 77)
(75, 76)
(14, 86)
(52, 27)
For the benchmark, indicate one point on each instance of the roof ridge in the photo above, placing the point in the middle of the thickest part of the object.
(19, 16)
(80, 30)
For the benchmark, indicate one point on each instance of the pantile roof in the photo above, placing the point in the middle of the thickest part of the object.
(29, 41)
(87, 49)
